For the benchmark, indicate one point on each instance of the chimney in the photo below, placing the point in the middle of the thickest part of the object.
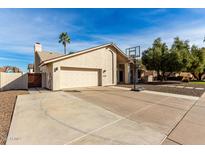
(37, 47)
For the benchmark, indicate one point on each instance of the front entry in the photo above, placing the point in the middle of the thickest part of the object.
(121, 76)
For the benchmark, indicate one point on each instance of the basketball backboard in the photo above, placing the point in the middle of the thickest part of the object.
(133, 52)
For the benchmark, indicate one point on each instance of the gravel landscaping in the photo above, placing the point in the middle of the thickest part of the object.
(7, 103)
(161, 87)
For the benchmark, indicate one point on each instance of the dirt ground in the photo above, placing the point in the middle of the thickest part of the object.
(183, 91)
(7, 103)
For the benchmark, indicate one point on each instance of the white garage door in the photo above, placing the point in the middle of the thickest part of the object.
(78, 77)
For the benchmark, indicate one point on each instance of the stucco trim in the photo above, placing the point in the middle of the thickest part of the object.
(79, 68)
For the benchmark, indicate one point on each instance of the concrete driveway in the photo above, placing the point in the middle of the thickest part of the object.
(99, 115)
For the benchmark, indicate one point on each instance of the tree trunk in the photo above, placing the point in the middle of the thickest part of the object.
(64, 48)
(163, 76)
(169, 74)
(195, 76)
(158, 78)
(200, 75)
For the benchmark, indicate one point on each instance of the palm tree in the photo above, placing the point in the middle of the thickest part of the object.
(64, 39)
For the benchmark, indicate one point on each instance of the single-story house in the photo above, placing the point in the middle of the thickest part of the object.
(102, 65)
(10, 69)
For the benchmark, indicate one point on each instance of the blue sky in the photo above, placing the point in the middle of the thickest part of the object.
(21, 28)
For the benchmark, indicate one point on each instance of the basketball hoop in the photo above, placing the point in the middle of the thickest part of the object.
(134, 54)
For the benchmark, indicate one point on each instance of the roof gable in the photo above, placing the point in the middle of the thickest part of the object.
(83, 52)
(46, 55)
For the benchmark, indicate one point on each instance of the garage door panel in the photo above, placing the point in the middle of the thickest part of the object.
(71, 78)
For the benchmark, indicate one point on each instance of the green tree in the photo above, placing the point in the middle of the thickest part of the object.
(180, 55)
(197, 66)
(64, 39)
(179, 58)
(155, 57)
(172, 63)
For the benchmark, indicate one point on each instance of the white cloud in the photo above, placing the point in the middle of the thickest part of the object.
(19, 31)
(193, 33)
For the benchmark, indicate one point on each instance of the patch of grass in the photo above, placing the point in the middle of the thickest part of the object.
(198, 82)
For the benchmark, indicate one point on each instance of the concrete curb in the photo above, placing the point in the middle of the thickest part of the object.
(172, 95)
(123, 88)
(162, 93)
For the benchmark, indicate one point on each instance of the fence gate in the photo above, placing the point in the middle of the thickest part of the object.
(34, 80)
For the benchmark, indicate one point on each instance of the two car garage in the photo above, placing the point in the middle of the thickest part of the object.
(79, 77)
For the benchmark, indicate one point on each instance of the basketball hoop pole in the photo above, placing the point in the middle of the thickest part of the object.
(133, 54)
(136, 79)
(135, 74)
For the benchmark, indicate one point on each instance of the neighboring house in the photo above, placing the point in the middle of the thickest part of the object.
(148, 76)
(171, 74)
(186, 75)
(10, 69)
(1, 69)
(97, 66)
(30, 68)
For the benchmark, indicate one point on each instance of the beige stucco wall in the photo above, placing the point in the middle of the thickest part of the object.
(127, 71)
(9, 81)
(43, 81)
(104, 59)
(47, 73)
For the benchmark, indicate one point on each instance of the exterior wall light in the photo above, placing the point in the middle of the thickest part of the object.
(55, 69)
